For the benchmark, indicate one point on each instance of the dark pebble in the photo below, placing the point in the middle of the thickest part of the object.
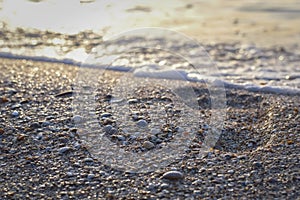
(172, 175)
(104, 115)
(257, 164)
(35, 125)
(132, 101)
(110, 129)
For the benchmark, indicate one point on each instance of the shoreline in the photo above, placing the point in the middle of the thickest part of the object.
(255, 157)
(254, 86)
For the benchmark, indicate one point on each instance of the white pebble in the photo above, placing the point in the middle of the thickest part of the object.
(88, 160)
(77, 119)
(69, 173)
(63, 150)
(16, 106)
(142, 123)
(15, 113)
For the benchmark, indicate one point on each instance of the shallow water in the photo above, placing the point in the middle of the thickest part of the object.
(269, 22)
(65, 31)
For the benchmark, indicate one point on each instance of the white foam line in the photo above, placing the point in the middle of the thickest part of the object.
(183, 75)
(39, 58)
(265, 89)
(63, 61)
(161, 74)
(166, 74)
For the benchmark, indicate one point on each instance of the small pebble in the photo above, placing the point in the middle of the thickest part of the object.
(16, 106)
(88, 160)
(142, 123)
(179, 129)
(27, 118)
(149, 102)
(135, 117)
(151, 187)
(152, 138)
(154, 131)
(132, 137)
(172, 175)
(48, 149)
(77, 145)
(257, 164)
(132, 101)
(158, 141)
(15, 113)
(63, 150)
(90, 176)
(196, 182)
(116, 100)
(3, 100)
(148, 145)
(64, 94)
(108, 96)
(35, 125)
(137, 134)
(102, 173)
(197, 192)
(105, 115)
(165, 98)
(77, 119)
(170, 105)
(45, 123)
(50, 117)
(107, 128)
(110, 129)
(164, 186)
(121, 138)
(39, 136)
(242, 157)
(12, 91)
(69, 173)
(227, 156)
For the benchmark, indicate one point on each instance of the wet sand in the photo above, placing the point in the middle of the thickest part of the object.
(42, 157)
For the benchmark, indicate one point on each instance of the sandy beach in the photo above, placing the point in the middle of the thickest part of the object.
(204, 106)
(42, 156)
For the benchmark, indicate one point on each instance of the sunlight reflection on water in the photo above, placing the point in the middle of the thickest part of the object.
(252, 21)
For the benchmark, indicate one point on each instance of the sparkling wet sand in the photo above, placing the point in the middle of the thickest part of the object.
(42, 157)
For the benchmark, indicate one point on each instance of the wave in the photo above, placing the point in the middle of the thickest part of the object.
(149, 71)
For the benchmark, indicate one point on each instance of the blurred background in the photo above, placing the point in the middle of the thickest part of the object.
(260, 22)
